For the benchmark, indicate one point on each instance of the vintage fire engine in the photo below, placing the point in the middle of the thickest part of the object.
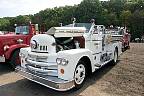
(126, 41)
(63, 58)
(121, 33)
(11, 43)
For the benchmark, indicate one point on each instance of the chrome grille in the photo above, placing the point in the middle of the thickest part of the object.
(37, 69)
(40, 65)
(43, 48)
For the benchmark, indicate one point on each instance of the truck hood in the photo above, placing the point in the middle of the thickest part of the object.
(7, 36)
(43, 43)
(10, 36)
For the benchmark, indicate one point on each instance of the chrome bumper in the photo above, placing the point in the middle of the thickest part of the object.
(48, 81)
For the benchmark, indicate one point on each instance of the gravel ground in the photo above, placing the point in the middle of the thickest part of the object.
(124, 79)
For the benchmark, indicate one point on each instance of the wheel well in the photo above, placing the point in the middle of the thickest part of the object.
(87, 63)
(13, 52)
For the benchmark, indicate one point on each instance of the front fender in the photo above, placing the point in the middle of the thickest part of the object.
(12, 48)
(73, 56)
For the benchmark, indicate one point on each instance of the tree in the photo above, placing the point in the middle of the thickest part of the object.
(22, 19)
(113, 12)
(89, 9)
(3, 24)
(137, 24)
(112, 19)
(125, 17)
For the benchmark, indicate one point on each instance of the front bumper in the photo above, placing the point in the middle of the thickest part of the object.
(48, 81)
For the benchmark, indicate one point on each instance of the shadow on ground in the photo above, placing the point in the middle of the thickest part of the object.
(5, 68)
(25, 87)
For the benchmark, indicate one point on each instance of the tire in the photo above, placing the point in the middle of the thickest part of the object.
(15, 60)
(80, 75)
(114, 61)
(128, 46)
(124, 47)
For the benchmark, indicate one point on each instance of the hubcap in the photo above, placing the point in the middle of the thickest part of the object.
(79, 74)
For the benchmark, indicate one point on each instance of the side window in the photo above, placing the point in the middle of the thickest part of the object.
(17, 30)
(25, 30)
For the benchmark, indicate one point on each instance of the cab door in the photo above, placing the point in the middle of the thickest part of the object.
(106, 47)
(100, 46)
(96, 45)
(96, 40)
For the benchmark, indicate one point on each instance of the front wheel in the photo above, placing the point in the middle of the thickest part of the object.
(15, 60)
(79, 75)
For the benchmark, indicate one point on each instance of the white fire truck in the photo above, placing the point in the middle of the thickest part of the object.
(65, 56)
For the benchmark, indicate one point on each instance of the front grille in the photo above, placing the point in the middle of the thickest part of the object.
(37, 58)
(42, 68)
(43, 48)
(40, 49)
(39, 70)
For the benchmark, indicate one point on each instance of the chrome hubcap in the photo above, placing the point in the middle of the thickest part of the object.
(79, 74)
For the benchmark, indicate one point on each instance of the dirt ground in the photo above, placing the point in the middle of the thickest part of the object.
(124, 79)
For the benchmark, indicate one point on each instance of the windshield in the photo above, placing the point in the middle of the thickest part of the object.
(22, 30)
(86, 25)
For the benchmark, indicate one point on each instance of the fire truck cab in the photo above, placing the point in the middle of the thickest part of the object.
(65, 56)
(11, 43)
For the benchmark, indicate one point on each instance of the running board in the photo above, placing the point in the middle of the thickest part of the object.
(97, 66)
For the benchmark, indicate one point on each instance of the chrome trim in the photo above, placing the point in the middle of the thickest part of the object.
(96, 53)
(93, 40)
(42, 71)
(41, 63)
(48, 81)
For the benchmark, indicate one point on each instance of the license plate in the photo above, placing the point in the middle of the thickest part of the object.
(2, 59)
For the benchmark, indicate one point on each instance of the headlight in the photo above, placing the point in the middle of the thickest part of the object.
(6, 47)
(33, 44)
(59, 60)
(62, 61)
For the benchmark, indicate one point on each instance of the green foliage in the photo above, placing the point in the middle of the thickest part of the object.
(22, 19)
(125, 17)
(113, 12)
(89, 9)
(3, 24)
(137, 24)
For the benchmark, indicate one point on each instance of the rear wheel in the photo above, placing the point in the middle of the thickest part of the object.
(115, 59)
(128, 46)
(15, 60)
(124, 47)
(80, 75)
